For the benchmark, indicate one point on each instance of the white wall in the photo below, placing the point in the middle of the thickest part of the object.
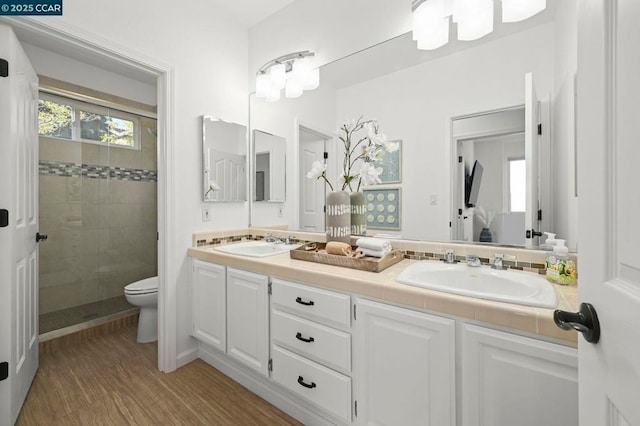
(488, 77)
(209, 56)
(63, 68)
(565, 203)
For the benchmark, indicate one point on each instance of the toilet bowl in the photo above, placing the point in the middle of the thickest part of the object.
(144, 293)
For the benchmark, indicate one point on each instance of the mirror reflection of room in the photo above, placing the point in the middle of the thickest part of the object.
(224, 147)
(269, 181)
(416, 95)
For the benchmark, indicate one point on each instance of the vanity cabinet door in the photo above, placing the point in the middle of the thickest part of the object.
(248, 319)
(514, 380)
(405, 366)
(208, 300)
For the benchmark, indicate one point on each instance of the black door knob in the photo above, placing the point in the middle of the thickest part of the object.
(41, 237)
(585, 321)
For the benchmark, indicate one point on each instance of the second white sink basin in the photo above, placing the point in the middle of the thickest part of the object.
(256, 248)
(482, 282)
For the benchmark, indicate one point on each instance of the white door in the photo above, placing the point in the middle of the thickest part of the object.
(609, 203)
(312, 191)
(404, 362)
(209, 302)
(531, 121)
(18, 249)
(248, 319)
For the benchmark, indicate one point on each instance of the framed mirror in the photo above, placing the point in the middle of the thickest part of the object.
(270, 167)
(224, 165)
(416, 96)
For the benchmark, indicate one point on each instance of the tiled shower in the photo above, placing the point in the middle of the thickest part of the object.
(98, 206)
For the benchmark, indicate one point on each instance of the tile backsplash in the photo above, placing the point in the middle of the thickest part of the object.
(514, 258)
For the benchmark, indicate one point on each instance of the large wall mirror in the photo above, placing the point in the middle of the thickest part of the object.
(224, 158)
(425, 99)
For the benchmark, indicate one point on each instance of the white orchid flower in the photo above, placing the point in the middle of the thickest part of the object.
(213, 186)
(369, 174)
(373, 153)
(391, 146)
(317, 170)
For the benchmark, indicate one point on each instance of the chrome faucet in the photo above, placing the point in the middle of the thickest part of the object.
(473, 261)
(449, 257)
(497, 261)
(270, 238)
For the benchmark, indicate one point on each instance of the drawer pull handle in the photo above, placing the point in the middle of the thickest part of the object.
(309, 340)
(302, 302)
(306, 385)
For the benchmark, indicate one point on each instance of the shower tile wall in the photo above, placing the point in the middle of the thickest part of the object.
(98, 206)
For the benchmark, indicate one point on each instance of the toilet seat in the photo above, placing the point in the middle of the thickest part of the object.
(146, 286)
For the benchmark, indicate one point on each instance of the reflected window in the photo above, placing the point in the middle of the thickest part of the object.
(517, 184)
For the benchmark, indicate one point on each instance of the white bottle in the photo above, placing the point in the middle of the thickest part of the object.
(550, 242)
(561, 269)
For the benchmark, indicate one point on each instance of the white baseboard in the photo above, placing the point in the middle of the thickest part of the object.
(186, 357)
(261, 386)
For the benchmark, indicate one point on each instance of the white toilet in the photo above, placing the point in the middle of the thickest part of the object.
(144, 293)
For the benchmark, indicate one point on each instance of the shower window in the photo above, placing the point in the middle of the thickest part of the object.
(64, 118)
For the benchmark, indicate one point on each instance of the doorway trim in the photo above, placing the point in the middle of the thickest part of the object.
(167, 279)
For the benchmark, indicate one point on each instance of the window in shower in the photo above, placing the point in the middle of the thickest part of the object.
(65, 118)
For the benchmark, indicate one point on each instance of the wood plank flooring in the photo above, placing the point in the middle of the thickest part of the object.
(112, 380)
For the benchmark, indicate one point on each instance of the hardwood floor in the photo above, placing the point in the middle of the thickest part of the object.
(112, 380)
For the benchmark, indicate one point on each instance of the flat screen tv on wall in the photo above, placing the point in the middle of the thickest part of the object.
(472, 185)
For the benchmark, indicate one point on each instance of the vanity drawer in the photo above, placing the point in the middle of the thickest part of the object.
(318, 342)
(313, 303)
(317, 384)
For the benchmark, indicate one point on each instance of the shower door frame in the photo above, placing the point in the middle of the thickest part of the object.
(167, 278)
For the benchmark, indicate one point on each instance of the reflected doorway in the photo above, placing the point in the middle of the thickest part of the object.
(313, 147)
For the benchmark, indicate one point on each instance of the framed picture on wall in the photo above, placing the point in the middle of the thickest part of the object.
(383, 208)
(391, 164)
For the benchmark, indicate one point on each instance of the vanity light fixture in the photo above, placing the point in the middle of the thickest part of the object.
(474, 18)
(292, 72)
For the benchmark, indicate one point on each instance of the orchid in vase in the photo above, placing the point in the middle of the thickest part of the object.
(364, 145)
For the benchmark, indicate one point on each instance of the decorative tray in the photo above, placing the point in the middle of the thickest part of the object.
(315, 252)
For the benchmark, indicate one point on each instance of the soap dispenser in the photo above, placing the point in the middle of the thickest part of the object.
(550, 242)
(561, 269)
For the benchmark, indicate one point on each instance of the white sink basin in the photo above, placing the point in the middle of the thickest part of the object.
(482, 282)
(256, 248)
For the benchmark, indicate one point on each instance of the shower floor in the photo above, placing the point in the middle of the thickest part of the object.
(82, 313)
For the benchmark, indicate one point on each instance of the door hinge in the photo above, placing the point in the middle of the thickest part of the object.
(449, 224)
(4, 218)
(355, 408)
(540, 129)
(4, 68)
(324, 208)
(326, 155)
(269, 288)
(270, 365)
(157, 236)
(460, 159)
(540, 214)
(4, 370)
(354, 312)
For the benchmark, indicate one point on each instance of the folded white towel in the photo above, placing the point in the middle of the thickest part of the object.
(373, 253)
(374, 244)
